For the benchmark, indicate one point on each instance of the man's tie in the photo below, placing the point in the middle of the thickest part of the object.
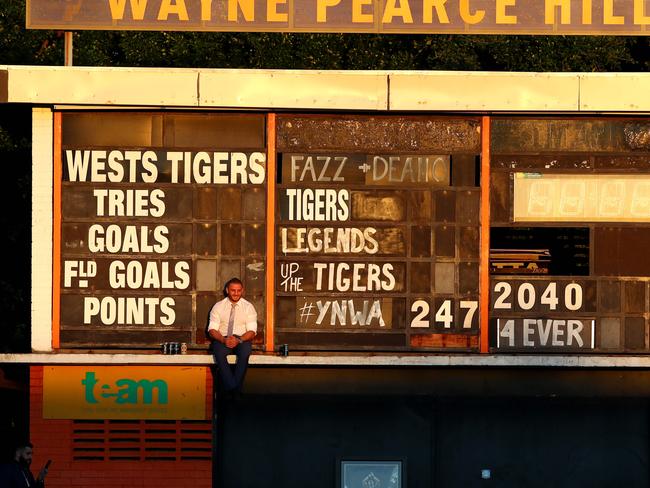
(231, 319)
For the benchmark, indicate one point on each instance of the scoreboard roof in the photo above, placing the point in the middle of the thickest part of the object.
(371, 91)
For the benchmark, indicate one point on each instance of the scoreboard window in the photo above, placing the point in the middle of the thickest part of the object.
(377, 232)
(570, 226)
(158, 211)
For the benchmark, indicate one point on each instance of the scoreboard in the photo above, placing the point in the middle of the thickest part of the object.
(354, 232)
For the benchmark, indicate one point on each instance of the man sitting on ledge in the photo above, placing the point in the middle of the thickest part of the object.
(232, 326)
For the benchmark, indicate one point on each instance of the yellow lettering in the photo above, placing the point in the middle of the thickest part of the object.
(640, 18)
(177, 8)
(247, 9)
(441, 11)
(608, 14)
(586, 12)
(357, 11)
(467, 16)
(272, 14)
(502, 18)
(206, 9)
(137, 9)
(565, 11)
(392, 10)
(321, 9)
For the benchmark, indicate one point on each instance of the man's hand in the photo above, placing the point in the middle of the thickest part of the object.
(43, 472)
(231, 342)
(41, 475)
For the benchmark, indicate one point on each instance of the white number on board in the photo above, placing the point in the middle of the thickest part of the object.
(527, 298)
(444, 315)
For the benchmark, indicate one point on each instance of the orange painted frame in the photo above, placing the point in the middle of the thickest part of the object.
(56, 234)
(269, 336)
(484, 278)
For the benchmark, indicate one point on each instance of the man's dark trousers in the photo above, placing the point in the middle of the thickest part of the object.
(232, 381)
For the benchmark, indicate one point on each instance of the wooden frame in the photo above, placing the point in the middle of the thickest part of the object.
(56, 231)
(484, 273)
(383, 464)
(269, 337)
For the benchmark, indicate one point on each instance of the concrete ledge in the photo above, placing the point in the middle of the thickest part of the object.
(309, 360)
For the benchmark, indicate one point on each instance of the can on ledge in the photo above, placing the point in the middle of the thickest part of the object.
(173, 348)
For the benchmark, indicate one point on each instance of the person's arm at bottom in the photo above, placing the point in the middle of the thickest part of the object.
(40, 479)
(217, 336)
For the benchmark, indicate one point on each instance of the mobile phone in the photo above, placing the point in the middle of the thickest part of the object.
(43, 473)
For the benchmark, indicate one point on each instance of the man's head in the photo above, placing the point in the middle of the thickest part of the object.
(234, 289)
(23, 453)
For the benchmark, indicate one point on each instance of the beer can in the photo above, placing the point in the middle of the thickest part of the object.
(183, 348)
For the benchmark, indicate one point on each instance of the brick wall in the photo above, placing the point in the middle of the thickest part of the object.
(55, 439)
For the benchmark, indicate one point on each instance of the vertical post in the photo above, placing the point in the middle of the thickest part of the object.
(56, 234)
(67, 57)
(485, 234)
(270, 233)
(42, 273)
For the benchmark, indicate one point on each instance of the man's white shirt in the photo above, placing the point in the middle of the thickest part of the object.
(245, 317)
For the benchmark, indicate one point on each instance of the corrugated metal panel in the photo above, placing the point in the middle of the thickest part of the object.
(141, 440)
(475, 91)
